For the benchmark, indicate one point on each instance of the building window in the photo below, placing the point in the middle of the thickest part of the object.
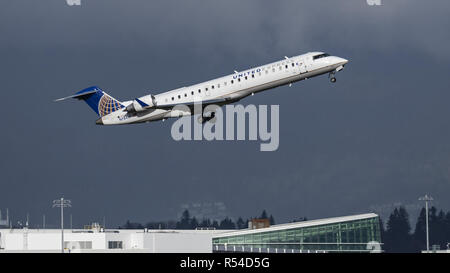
(78, 245)
(115, 244)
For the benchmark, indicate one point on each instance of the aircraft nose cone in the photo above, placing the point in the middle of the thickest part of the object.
(344, 61)
(99, 121)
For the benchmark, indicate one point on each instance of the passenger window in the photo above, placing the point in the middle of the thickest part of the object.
(185, 94)
(199, 91)
(212, 86)
(232, 81)
(292, 64)
(192, 93)
(179, 96)
(172, 98)
(253, 75)
(286, 66)
(239, 79)
(245, 77)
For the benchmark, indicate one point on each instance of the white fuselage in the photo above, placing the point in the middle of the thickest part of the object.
(229, 88)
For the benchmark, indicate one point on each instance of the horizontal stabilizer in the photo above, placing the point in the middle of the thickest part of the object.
(78, 95)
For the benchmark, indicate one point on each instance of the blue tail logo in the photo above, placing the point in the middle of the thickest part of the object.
(102, 103)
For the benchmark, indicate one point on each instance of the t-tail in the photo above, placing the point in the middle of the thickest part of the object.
(102, 103)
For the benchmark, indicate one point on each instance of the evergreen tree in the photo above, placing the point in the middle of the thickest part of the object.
(227, 223)
(441, 230)
(215, 224)
(272, 220)
(382, 230)
(447, 229)
(205, 223)
(185, 222)
(130, 225)
(194, 223)
(419, 236)
(433, 225)
(240, 224)
(263, 215)
(397, 235)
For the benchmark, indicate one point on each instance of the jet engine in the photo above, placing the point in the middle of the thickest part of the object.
(142, 103)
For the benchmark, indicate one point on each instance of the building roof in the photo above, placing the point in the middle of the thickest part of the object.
(298, 225)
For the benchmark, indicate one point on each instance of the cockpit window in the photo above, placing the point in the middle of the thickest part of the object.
(321, 56)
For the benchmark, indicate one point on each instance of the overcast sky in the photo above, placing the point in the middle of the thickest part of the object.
(379, 136)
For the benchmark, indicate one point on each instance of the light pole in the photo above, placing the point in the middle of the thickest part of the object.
(62, 203)
(426, 198)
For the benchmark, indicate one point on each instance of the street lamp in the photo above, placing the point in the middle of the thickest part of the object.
(62, 203)
(426, 198)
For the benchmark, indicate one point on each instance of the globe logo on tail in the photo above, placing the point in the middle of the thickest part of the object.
(107, 105)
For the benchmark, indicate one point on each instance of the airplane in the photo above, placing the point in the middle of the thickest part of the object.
(220, 91)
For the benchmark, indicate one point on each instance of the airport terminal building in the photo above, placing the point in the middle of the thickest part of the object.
(357, 233)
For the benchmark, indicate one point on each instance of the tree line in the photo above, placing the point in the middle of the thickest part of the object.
(398, 237)
(191, 222)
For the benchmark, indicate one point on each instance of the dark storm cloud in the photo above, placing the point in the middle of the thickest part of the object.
(380, 135)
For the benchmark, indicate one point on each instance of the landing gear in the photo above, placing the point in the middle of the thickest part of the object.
(331, 76)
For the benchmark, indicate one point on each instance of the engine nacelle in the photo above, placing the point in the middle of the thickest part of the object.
(142, 103)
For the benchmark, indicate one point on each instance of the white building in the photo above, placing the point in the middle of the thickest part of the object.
(98, 240)
(356, 233)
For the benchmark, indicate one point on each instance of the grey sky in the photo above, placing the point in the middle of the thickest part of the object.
(378, 136)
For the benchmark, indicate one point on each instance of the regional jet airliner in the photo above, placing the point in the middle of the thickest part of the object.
(220, 91)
